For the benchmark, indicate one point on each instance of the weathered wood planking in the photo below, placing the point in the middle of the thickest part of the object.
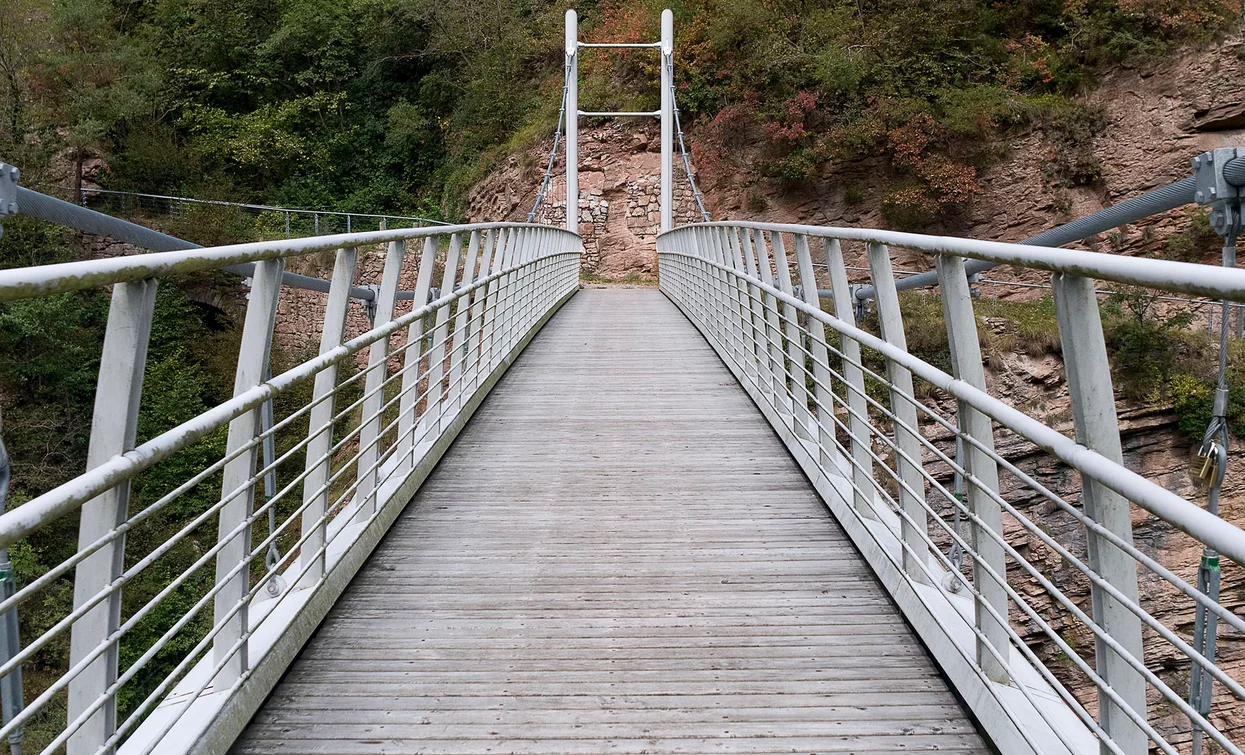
(616, 556)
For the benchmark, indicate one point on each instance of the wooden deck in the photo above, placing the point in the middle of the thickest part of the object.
(617, 555)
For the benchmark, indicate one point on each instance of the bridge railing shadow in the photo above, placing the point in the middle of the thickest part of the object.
(246, 522)
(1016, 564)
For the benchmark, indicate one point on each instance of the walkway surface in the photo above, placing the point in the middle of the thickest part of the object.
(617, 555)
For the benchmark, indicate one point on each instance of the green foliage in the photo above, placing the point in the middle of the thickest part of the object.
(1146, 344)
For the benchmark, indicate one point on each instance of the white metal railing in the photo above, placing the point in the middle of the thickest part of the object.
(350, 449)
(843, 400)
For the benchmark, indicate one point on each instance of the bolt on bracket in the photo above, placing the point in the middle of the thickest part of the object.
(1213, 189)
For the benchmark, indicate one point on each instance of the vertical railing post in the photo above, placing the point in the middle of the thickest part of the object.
(238, 474)
(773, 331)
(858, 408)
(1097, 428)
(319, 461)
(667, 120)
(760, 343)
(462, 325)
(572, 121)
(743, 305)
(914, 527)
(114, 425)
(801, 418)
(479, 312)
(408, 404)
(822, 393)
(491, 303)
(440, 346)
(377, 366)
(957, 305)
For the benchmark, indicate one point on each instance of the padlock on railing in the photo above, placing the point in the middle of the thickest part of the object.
(1204, 469)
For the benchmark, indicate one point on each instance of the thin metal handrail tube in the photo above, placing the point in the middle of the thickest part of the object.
(18, 522)
(233, 650)
(995, 577)
(1232, 685)
(174, 539)
(257, 550)
(157, 505)
(1021, 284)
(1205, 280)
(1231, 618)
(539, 269)
(1028, 525)
(21, 283)
(1235, 621)
(990, 687)
(1193, 520)
(1071, 700)
(1139, 665)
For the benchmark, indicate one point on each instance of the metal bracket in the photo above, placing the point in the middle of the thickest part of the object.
(1213, 189)
(9, 176)
(369, 305)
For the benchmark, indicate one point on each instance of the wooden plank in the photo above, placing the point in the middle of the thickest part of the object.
(617, 555)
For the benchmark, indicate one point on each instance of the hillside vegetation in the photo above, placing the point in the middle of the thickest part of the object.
(398, 105)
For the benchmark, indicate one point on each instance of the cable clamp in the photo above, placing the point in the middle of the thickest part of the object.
(1213, 189)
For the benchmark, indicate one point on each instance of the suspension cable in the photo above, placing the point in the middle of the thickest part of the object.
(1211, 466)
(557, 138)
(668, 60)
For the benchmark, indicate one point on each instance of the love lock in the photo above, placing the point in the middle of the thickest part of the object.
(1205, 467)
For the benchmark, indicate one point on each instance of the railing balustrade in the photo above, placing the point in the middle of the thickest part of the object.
(356, 429)
(882, 454)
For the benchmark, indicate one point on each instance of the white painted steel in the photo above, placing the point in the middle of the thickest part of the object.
(1097, 427)
(334, 505)
(572, 121)
(667, 120)
(884, 500)
(113, 427)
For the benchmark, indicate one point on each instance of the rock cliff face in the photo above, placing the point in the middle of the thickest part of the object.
(1157, 118)
(619, 187)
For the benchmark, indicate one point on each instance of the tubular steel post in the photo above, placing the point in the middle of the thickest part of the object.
(667, 120)
(572, 122)
(319, 462)
(914, 529)
(436, 359)
(773, 332)
(759, 345)
(822, 391)
(858, 422)
(957, 305)
(801, 419)
(408, 404)
(261, 314)
(113, 428)
(479, 311)
(748, 340)
(463, 326)
(1097, 428)
(377, 359)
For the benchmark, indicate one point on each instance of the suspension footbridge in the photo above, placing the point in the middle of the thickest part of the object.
(733, 513)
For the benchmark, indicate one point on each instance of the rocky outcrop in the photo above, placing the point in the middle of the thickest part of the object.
(619, 187)
(1157, 118)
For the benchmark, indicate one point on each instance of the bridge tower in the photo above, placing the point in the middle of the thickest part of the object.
(665, 48)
